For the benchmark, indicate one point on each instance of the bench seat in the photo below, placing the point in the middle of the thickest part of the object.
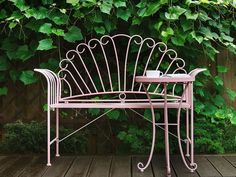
(119, 105)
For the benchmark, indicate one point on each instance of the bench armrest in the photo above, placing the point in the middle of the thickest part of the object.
(53, 84)
(196, 71)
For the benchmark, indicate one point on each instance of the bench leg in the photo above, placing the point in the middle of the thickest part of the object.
(57, 132)
(48, 138)
(187, 133)
(192, 140)
(166, 121)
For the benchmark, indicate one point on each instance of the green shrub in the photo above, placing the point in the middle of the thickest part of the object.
(22, 137)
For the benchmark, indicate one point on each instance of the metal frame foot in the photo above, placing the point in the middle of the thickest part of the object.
(49, 164)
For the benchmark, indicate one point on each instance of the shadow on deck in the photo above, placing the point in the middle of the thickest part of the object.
(113, 166)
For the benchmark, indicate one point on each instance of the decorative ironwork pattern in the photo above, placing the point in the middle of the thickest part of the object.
(79, 75)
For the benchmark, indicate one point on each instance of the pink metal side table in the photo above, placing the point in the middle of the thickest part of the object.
(164, 80)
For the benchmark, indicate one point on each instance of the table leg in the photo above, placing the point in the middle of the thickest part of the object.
(193, 166)
(140, 165)
(167, 148)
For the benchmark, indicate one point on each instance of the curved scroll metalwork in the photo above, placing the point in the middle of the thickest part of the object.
(108, 47)
(140, 165)
(192, 166)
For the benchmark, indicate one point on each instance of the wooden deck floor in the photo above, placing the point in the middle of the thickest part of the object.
(113, 166)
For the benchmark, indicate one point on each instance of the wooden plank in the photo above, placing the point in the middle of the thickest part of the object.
(2, 160)
(37, 167)
(80, 167)
(7, 162)
(120, 166)
(231, 159)
(100, 166)
(16, 168)
(180, 169)
(59, 167)
(159, 166)
(205, 168)
(136, 172)
(222, 165)
(2, 157)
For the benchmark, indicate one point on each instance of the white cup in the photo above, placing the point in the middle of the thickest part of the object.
(153, 73)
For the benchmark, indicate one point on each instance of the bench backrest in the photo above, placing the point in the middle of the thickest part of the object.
(109, 65)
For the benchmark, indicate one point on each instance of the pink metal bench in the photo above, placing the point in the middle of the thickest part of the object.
(101, 74)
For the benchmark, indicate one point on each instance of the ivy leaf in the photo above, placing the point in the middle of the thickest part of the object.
(109, 25)
(136, 21)
(34, 24)
(220, 114)
(208, 33)
(152, 9)
(226, 37)
(3, 91)
(46, 28)
(158, 25)
(168, 32)
(199, 106)
(222, 69)
(23, 53)
(232, 48)
(190, 16)
(114, 114)
(94, 111)
(203, 16)
(12, 25)
(15, 75)
(210, 50)
(219, 100)
(199, 39)
(4, 63)
(231, 94)
(123, 14)
(174, 12)
(233, 119)
(119, 3)
(233, 23)
(106, 7)
(58, 17)
(96, 17)
(45, 107)
(100, 30)
(58, 32)
(218, 81)
(186, 24)
(73, 34)
(141, 12)
(45, 44)
(28, 77)
(73, 2)
(20, 4)
(3, 14)
(38, 14)
(178, 40)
